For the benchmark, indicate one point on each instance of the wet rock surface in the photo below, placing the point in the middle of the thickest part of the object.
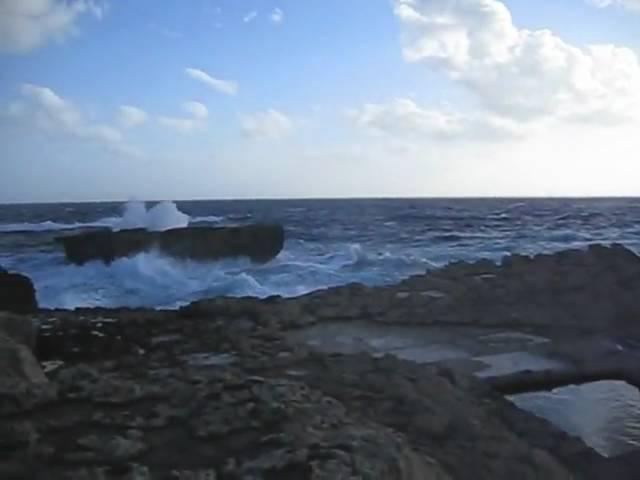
(225, 389)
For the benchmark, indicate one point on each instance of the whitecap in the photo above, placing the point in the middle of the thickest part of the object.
(206, 219)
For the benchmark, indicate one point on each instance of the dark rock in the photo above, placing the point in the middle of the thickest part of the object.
(260, 243)
(17, 293)
(18, 363)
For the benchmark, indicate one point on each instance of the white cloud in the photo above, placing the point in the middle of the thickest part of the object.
(518, 74)
(404, 118)
(271, 124)
(26, 25)
(130, 116)
(250, 17)
(42, 107)
(198, 116)
(227, 87)
(277, 16)
(628, 4)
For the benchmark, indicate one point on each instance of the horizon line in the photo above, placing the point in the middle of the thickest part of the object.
(355, 198)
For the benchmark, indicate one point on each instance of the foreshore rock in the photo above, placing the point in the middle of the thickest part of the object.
(592, 289)
(220, 390)
(233, 399)
(17, 293)
(259, 243)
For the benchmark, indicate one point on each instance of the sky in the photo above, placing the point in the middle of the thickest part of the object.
(203, 99)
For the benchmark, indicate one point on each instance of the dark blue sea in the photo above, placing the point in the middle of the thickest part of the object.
(329, 242)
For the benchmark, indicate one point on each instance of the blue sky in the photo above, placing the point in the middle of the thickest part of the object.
(259, 98)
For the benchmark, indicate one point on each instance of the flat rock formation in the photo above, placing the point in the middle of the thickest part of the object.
(225, 389)
(259, 243)
(17, 293)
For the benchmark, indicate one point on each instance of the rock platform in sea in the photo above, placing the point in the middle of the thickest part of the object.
(259, 243)
(229, 389)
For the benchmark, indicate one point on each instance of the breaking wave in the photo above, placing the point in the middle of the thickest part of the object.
(152, 279)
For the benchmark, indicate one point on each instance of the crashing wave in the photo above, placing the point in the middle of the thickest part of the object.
(162, 216)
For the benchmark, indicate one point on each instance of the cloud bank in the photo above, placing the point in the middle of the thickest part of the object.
(518, 78)
(518, 73)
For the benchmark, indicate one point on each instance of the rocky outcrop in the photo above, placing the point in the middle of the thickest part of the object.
(260, 243)
(219, 390)
(17, 293)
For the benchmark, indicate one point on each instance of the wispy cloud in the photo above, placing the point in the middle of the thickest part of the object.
(633, 5)
(227, 87)
(250, 17)
(43, 108)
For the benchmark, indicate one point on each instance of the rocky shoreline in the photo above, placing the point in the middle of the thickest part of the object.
(267, 389)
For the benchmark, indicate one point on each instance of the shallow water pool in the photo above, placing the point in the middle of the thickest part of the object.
(605, 414)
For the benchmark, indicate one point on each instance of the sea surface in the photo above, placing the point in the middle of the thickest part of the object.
(328, 243)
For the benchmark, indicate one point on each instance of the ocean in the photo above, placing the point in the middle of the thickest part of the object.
(328, 243)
